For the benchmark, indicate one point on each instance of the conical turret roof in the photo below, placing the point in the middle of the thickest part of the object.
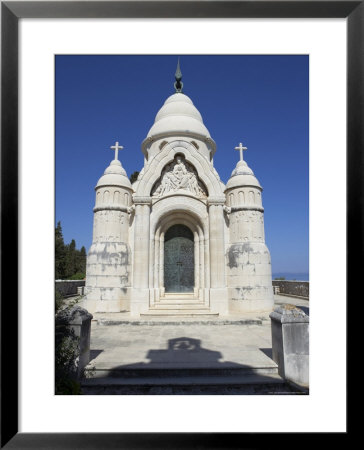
(114, 175)
(242, 175)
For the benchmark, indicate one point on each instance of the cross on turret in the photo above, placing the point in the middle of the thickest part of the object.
(241, 148)
(116, 147)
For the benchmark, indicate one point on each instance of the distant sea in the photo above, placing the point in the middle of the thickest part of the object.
(291, 276)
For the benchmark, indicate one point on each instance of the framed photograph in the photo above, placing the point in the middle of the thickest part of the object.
(28, 204)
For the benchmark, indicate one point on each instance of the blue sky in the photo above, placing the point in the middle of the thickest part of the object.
(262, 101)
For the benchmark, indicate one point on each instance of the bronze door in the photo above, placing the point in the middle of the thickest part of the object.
(179, 259)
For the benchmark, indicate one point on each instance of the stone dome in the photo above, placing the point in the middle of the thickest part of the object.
(178, 114)
(114, 175)
(242, 175)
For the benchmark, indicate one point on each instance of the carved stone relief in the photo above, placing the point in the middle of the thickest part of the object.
(179, 175)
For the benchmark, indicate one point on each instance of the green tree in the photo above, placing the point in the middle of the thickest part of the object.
(71, 259)
(60, 253)
(70, 263)
(81, 260)
(133, 177)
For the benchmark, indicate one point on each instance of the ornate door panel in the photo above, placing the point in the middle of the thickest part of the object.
(179, 259)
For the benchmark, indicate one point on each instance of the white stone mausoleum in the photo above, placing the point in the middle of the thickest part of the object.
(178, 239)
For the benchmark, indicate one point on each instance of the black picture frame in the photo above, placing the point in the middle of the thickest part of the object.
(11, 12)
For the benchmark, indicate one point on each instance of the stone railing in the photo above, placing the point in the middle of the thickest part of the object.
(293, 288)
(74, 326)
(69, 287)
(290, 343)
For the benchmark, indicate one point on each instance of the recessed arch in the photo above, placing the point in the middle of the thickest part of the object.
(164, 220)
(179, 176)
(203, 167)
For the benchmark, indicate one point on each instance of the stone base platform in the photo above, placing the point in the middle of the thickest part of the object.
(183, 356)
(194, 318)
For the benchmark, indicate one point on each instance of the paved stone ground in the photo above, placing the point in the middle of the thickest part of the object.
(191, 345)
(181, 346)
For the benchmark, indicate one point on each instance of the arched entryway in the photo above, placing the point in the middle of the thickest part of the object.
(169, 220)
(179, 261)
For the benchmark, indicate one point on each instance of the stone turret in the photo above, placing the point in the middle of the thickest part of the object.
(249, 266)
(109, 259)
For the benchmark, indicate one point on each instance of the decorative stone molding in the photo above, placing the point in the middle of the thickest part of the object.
(166, 156)
(111, 208)
(259, 188)
(246, 208)
(209, 141)
(185, 206)
(113, 185)
(162, 144)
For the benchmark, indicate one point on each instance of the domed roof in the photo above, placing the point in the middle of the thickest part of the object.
(114, 175)
(178, 114)
(242, 175)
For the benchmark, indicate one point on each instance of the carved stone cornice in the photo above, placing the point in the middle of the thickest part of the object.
(111, 208)
(246, 208)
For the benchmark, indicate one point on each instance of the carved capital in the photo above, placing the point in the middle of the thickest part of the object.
(142, 200)
(216, 200)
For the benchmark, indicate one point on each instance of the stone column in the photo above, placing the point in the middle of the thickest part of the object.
(156, 267)
(218, 289)
(140, 293)
(161, 264)
(202, 265)
(196, 246)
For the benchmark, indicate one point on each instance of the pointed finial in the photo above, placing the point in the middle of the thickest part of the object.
(178, 85)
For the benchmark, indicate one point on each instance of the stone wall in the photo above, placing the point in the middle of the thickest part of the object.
(298, 288)
(68, 287)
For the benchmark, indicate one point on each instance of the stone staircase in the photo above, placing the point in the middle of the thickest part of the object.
(208, 381)
(179, 305)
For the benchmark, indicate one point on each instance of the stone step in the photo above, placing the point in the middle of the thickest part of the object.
(179, 312)
(161, 371)
(178, 306)
(194, 384)
(179, 295)
(178, 320)
(184, 380)
(180, 301)
(248, 380)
